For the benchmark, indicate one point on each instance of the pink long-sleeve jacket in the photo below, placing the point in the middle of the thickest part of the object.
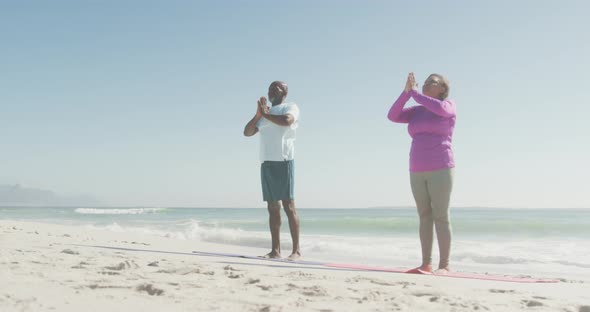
(431, 126)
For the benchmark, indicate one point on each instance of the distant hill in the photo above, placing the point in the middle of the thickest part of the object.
(17, 195)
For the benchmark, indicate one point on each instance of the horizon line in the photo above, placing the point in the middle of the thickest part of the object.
(226, 207)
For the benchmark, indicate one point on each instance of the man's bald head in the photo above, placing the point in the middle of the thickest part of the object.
(277, 92)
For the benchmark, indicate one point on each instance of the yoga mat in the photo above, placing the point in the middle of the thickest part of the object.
(448, 274)
(359, 267)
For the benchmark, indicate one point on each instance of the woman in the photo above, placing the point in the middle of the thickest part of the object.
(430, 125)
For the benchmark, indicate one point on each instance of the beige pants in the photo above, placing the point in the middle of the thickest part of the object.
(432, 193)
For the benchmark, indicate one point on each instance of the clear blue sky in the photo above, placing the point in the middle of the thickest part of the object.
(144, 102)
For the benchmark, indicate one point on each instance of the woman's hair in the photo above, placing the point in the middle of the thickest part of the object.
(445, 83)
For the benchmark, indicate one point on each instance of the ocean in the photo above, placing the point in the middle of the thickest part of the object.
(537, 242)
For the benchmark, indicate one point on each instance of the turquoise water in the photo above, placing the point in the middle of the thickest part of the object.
(532, 223)
(553, 241)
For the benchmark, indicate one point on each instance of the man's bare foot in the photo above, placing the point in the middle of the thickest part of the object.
(272, 255)
(442, 271)
(425, 268)
(294, 256)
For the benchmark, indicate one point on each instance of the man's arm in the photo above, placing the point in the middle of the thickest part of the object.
(285, 120)
(281, 120)
(251, 128)
(261, 109)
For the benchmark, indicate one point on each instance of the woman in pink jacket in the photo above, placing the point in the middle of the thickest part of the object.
(430, 125)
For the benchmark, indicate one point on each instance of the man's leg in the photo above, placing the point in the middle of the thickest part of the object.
(274, 220)
(289, 207)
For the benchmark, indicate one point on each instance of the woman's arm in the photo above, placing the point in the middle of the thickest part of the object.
(397, 112)
(443, 108)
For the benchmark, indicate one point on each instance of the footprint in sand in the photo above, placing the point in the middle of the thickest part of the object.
(300, 276)
(403, 284)
(185, 271)
(79, 265)
(502, 291)
(70, 252)
(478, 307)
(136, 243)
(96, 286)
(424, 294)
(232, 275)
(264, 309)
(358, 279)
(123, 266)
(456, 304)
(229, 268)
(264, 287)
(150, 289)
(314, 291)
(109, 273)
(540, 297)
(532, 303)
(374, 295)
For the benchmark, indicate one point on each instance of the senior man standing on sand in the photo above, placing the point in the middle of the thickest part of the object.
(277, 126)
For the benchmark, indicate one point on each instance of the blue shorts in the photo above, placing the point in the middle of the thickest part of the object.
(277, 180)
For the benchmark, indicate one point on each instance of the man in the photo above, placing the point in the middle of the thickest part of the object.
(277, 127)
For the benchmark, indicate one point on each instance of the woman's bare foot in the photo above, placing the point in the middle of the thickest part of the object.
(272, 255)
(425, 268)
(294, 256)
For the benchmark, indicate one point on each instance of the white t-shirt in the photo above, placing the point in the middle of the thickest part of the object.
(277, 143)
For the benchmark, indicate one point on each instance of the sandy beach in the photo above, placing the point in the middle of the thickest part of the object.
(48, 267)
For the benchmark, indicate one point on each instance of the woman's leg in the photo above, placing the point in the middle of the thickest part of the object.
(422, 198)
(440, 185)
